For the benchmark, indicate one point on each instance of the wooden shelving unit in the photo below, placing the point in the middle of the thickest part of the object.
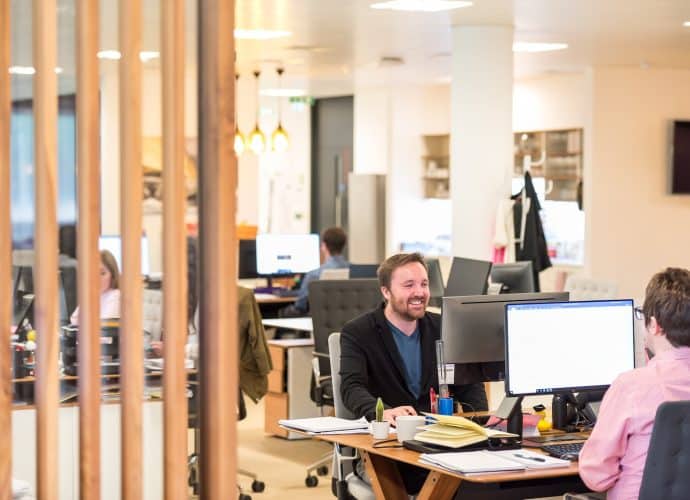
(436, 166)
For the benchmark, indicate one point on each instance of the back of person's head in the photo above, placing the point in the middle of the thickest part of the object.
(667, 298)
(109, 262)
(385, 270)
(335, 239)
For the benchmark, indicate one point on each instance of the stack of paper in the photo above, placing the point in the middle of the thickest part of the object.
(456, 432)
(473, 462)
(326, 425)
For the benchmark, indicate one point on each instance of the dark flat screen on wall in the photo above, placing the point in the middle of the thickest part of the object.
(680, 158)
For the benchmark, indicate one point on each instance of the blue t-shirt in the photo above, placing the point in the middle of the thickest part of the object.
(410, 349)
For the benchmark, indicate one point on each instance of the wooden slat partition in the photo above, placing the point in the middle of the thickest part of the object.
(174, 251)
(88, 193)
(131, 191)
(5, 255)
(45, 241)
(218, 297)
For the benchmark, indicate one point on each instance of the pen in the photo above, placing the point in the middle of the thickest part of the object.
(536, 459)
(432, 399)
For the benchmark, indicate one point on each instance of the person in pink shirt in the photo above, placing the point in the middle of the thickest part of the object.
(613, 458)
(110, 289)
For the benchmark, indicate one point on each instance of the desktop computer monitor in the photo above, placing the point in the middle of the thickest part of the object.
(556, 347)
(468, 277)
(516, 277)
(436, 287)
(473, 334)
(113, 244)
(278, 254)
(247, 260)
(363, 271)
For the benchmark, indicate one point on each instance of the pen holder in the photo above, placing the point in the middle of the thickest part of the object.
(445, 406)
(380, 430)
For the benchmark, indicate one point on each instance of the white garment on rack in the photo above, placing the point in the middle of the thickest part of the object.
(504, 233)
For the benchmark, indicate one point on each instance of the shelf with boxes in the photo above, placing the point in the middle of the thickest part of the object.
(436, 166)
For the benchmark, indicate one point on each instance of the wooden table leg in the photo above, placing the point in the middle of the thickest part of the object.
(439, 486)
(385, 478)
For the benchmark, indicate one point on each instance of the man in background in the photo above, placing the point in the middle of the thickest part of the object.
(333, 242)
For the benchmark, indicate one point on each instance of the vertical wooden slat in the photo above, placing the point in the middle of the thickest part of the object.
(218, 182)
(5, 255)
(45, 240)
(131, 336)
(88, 193)
(174, 251)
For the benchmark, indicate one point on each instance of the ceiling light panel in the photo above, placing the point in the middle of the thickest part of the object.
(421, 5)
(28, 70)
(282, 92)
(538, 46)
(260, 34)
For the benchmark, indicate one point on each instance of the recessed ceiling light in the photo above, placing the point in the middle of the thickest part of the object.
(27, 70)
(282, 92)
(115, 55)
(421, 5)
(260, 34)
(538, 46)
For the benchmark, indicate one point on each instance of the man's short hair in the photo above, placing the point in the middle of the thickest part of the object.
(667, 298)
(385, 270)
(335, 239)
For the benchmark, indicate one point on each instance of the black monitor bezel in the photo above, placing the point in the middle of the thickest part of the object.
(522, 268)
(562, 390)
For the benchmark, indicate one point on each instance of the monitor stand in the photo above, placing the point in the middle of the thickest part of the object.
(510, 410)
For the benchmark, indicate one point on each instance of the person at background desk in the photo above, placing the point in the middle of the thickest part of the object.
(333, 242)
(390, 353)
(109, 284)
(613, 457)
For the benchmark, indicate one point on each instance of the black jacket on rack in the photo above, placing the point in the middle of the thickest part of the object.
(533, 247)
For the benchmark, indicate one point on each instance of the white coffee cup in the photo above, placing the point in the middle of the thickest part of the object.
(406, 426)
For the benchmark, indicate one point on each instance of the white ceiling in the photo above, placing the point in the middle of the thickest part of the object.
(337, 44)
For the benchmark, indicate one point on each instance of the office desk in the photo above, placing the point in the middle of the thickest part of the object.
(441, 484)
(270, 304)
(300, 324)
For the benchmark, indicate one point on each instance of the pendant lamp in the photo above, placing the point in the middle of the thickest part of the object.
(240, 141)
(257, 139)
(279, 138)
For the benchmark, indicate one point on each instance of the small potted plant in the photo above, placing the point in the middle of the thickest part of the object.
(379, 427)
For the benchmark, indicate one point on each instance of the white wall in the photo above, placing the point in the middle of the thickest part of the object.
(634, 227)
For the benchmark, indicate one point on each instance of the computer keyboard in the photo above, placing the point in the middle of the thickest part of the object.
(285, 292)
(568, 451)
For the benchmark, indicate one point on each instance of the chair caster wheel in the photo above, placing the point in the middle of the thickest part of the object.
(244, 497)
(311, 481)
(258, 486)
(322, 471)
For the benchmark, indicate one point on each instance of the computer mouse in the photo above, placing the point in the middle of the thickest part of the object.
(573, 457)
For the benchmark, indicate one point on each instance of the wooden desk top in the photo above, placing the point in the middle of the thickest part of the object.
(365, 442)
(267, 298)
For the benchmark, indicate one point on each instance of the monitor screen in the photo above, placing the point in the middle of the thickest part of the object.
(563, 346)
(287, 253)
(113, 244)
(516, 277)
(363, 270)
(247, 260)
(468, 277)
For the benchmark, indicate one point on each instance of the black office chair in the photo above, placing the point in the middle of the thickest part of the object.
(665, 472)
(332, 304)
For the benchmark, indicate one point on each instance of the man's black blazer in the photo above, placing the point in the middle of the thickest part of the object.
(371, 367)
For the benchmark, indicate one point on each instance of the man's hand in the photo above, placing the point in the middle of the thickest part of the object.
(390, 414)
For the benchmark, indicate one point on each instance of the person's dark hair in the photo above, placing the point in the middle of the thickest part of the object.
(667, 298)
(110, 264)
(385, 270)
(334, 238)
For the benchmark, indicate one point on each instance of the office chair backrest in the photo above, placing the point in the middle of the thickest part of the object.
(668, 458)
(583, 288)
(334, 353)
(333, 303)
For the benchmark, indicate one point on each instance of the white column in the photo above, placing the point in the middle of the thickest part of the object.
(481, 152)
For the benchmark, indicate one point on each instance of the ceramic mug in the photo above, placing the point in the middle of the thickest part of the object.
(406, 426)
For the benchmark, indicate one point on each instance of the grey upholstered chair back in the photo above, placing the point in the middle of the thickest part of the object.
(333, 303)
(334, 353)
(668, 459)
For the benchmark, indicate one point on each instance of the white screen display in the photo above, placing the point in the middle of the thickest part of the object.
(567, 345)
(287, 253)
(113, 244)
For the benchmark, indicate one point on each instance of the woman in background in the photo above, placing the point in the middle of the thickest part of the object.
(110, 289)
